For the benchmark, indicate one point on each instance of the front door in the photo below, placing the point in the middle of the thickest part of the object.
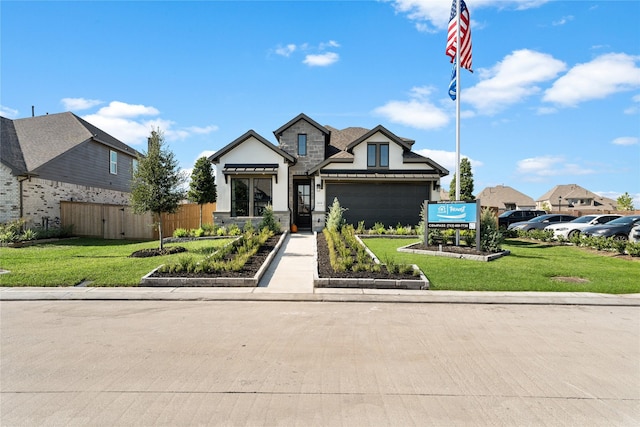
(302, 204)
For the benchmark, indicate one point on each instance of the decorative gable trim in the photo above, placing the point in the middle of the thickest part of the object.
(278, 133)
(393, 137)
(215, 158)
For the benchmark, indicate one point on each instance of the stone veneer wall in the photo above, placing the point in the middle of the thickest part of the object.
(41, 198)
(224, 218)
(9, 196)
(315, 152)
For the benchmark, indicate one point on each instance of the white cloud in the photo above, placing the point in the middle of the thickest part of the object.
(205, 153)
(321, 60)
(615, 194)
(76, 104)
(432, 16)
(536, 169)
(562, 20)
(130, 123)
(625, 140)
(330, 43)
(286, 51)
(512, 80)
(417, 112)
(7, 112)
(604, 76)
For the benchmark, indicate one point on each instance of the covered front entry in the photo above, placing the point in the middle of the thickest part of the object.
(302, 203)
(387, 202)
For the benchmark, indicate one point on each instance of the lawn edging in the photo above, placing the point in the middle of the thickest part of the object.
(365, 283)
(176, 282)
(483, 258)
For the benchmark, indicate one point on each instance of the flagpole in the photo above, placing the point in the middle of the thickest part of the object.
(458, 91)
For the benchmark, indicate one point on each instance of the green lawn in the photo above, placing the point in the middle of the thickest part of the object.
(70, 262)
(530, 267)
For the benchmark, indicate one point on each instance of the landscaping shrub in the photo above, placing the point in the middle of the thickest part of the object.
(180, 232)
(335, 221)
(269, 220)
(633, 249)
(491, 238)
(234, 230)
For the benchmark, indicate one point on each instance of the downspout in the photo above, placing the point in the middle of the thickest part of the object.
(22, 179)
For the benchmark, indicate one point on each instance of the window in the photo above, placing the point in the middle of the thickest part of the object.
(378, 155)
(134, 166)
(242, 203)
(302, 144)
(113, 162)
(261, 195)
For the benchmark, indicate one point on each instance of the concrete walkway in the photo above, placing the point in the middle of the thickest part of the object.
(290, 278)
(292, 269)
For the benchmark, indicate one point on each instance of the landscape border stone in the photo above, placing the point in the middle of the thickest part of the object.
(150, 281)
(483, 258)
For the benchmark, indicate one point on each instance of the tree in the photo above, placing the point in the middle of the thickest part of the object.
(157, 182)
(466, 182)
(202, 188)
(625, 202)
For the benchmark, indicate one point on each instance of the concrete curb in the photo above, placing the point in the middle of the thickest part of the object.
(319, 295)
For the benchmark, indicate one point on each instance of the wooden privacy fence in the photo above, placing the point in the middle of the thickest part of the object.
(119, 222)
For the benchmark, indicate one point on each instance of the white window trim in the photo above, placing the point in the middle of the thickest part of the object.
(113, 165)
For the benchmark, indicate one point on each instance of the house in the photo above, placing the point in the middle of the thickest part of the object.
(573, 197)
(373, 173)
(505, 198)
(59, 157)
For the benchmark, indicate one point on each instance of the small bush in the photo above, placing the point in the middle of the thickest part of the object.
(633, 249)
(180, 232)
(335, 221)
(234, 230)
(490, 236)
(269, 220)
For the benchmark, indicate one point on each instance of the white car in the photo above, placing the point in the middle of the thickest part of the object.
(634, 234)
(573, 228)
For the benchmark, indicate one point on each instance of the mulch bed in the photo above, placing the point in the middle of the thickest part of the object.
(249, 270)
(146, 253)
(325, 269)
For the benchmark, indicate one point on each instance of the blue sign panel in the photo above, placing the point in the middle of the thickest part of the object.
(452, 215)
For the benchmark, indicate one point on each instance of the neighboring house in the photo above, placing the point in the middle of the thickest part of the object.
(573, 197)
(59, 157)
(374, 174)
(505, 198)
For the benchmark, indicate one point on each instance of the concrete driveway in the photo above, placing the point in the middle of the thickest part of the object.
(238, 363)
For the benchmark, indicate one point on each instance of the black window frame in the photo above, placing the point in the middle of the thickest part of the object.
(378, 159)
(250, 205)
(302, 144)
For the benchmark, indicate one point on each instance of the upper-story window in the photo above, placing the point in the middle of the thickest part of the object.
(113, 162)
(378, 155)
(302, 144)
(134, 166)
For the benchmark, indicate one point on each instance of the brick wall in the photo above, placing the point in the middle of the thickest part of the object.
(9, 195)
(41, 198)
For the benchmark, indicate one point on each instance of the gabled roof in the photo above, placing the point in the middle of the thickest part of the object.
(567, 191)
(278, 133)
(215, 158)
(34, 141)
(501, 195)
(393, 137)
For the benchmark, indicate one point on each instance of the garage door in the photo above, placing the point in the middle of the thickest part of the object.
(388, 203)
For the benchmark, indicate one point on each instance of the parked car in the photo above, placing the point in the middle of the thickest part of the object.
(507, 218)
(618, 228)
(573, 228)
(540, 222)
(634, 234)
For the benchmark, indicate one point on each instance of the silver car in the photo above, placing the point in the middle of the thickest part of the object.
(573, 228)
(634, 234)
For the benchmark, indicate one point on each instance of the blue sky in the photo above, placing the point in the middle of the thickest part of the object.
(554, 97)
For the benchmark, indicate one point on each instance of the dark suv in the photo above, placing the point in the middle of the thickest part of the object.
(509, 217)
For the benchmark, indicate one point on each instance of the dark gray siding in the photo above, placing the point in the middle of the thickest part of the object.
(88, 164)
(388, 203)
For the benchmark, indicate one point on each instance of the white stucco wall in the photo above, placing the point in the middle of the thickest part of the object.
(252, 151)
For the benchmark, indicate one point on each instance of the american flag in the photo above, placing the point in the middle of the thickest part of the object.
(465, 36)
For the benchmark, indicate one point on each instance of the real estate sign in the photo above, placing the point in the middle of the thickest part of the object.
(456, 215)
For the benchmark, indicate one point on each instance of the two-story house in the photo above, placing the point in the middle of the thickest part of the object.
(373, 173)
(59, 157)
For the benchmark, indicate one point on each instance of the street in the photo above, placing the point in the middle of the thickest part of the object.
(235, 363)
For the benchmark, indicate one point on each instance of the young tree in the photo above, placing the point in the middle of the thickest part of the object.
(466, 182)
(625, 202)
(157, 182)
(202, 188)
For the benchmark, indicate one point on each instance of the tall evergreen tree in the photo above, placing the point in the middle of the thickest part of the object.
(466, 182)
(202, 188)
(625, 202)
(157, 182)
